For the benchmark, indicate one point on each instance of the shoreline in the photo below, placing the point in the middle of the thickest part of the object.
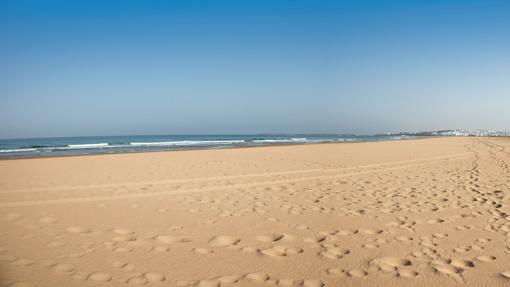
(220, 148)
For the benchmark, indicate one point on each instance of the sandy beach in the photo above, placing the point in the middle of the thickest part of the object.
(426, 212)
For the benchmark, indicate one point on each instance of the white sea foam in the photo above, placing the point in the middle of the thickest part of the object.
(57, 148)
(281, 140)
(17, 150)
(188, 143)
(94, 145)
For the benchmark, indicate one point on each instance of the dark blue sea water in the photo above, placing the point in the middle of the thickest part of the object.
(40, 147)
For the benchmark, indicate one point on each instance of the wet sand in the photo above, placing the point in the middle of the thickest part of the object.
(427, 212)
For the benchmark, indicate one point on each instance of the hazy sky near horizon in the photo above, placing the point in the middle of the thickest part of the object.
(186, 67)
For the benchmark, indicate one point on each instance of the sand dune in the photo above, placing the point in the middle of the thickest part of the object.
(428, 212)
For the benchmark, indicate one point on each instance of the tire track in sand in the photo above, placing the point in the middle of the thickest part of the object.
(205, 179)
(213, 188)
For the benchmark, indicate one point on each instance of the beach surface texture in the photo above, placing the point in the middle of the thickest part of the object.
(425, 212)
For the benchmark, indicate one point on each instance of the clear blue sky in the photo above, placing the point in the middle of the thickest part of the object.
(165, 67)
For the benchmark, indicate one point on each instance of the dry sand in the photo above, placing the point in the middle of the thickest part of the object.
(429, 212)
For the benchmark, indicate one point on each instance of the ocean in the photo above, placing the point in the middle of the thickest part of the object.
(43, 147)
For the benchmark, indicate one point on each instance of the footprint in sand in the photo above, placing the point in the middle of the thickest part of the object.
(77, 229)
(357, 273)
(436, 220)
(223, 241)
(121, 231)
(208, 283)
(147, 278)
(328, 232)
(160, 249)
(336, 271)
(258, 276)
(404, 238)
(484, 258)
(63, 268)
(372, 231)
(439, 235)
(123, 266)
(464, 227)
(270, 237)
(445, 267)
(122, 249)
(369, 246)
(154, 276)
(333, 251)
(229, 279)
(124, 238)
(175, 227)
(463, 264)
(203, 250)
(407, 273)
(316, 239)
(286, 282)
(462, 249)
(347, 232)
(389, 264)
(483, 240)
(280, 251)
(100, 277)
(169, 239)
